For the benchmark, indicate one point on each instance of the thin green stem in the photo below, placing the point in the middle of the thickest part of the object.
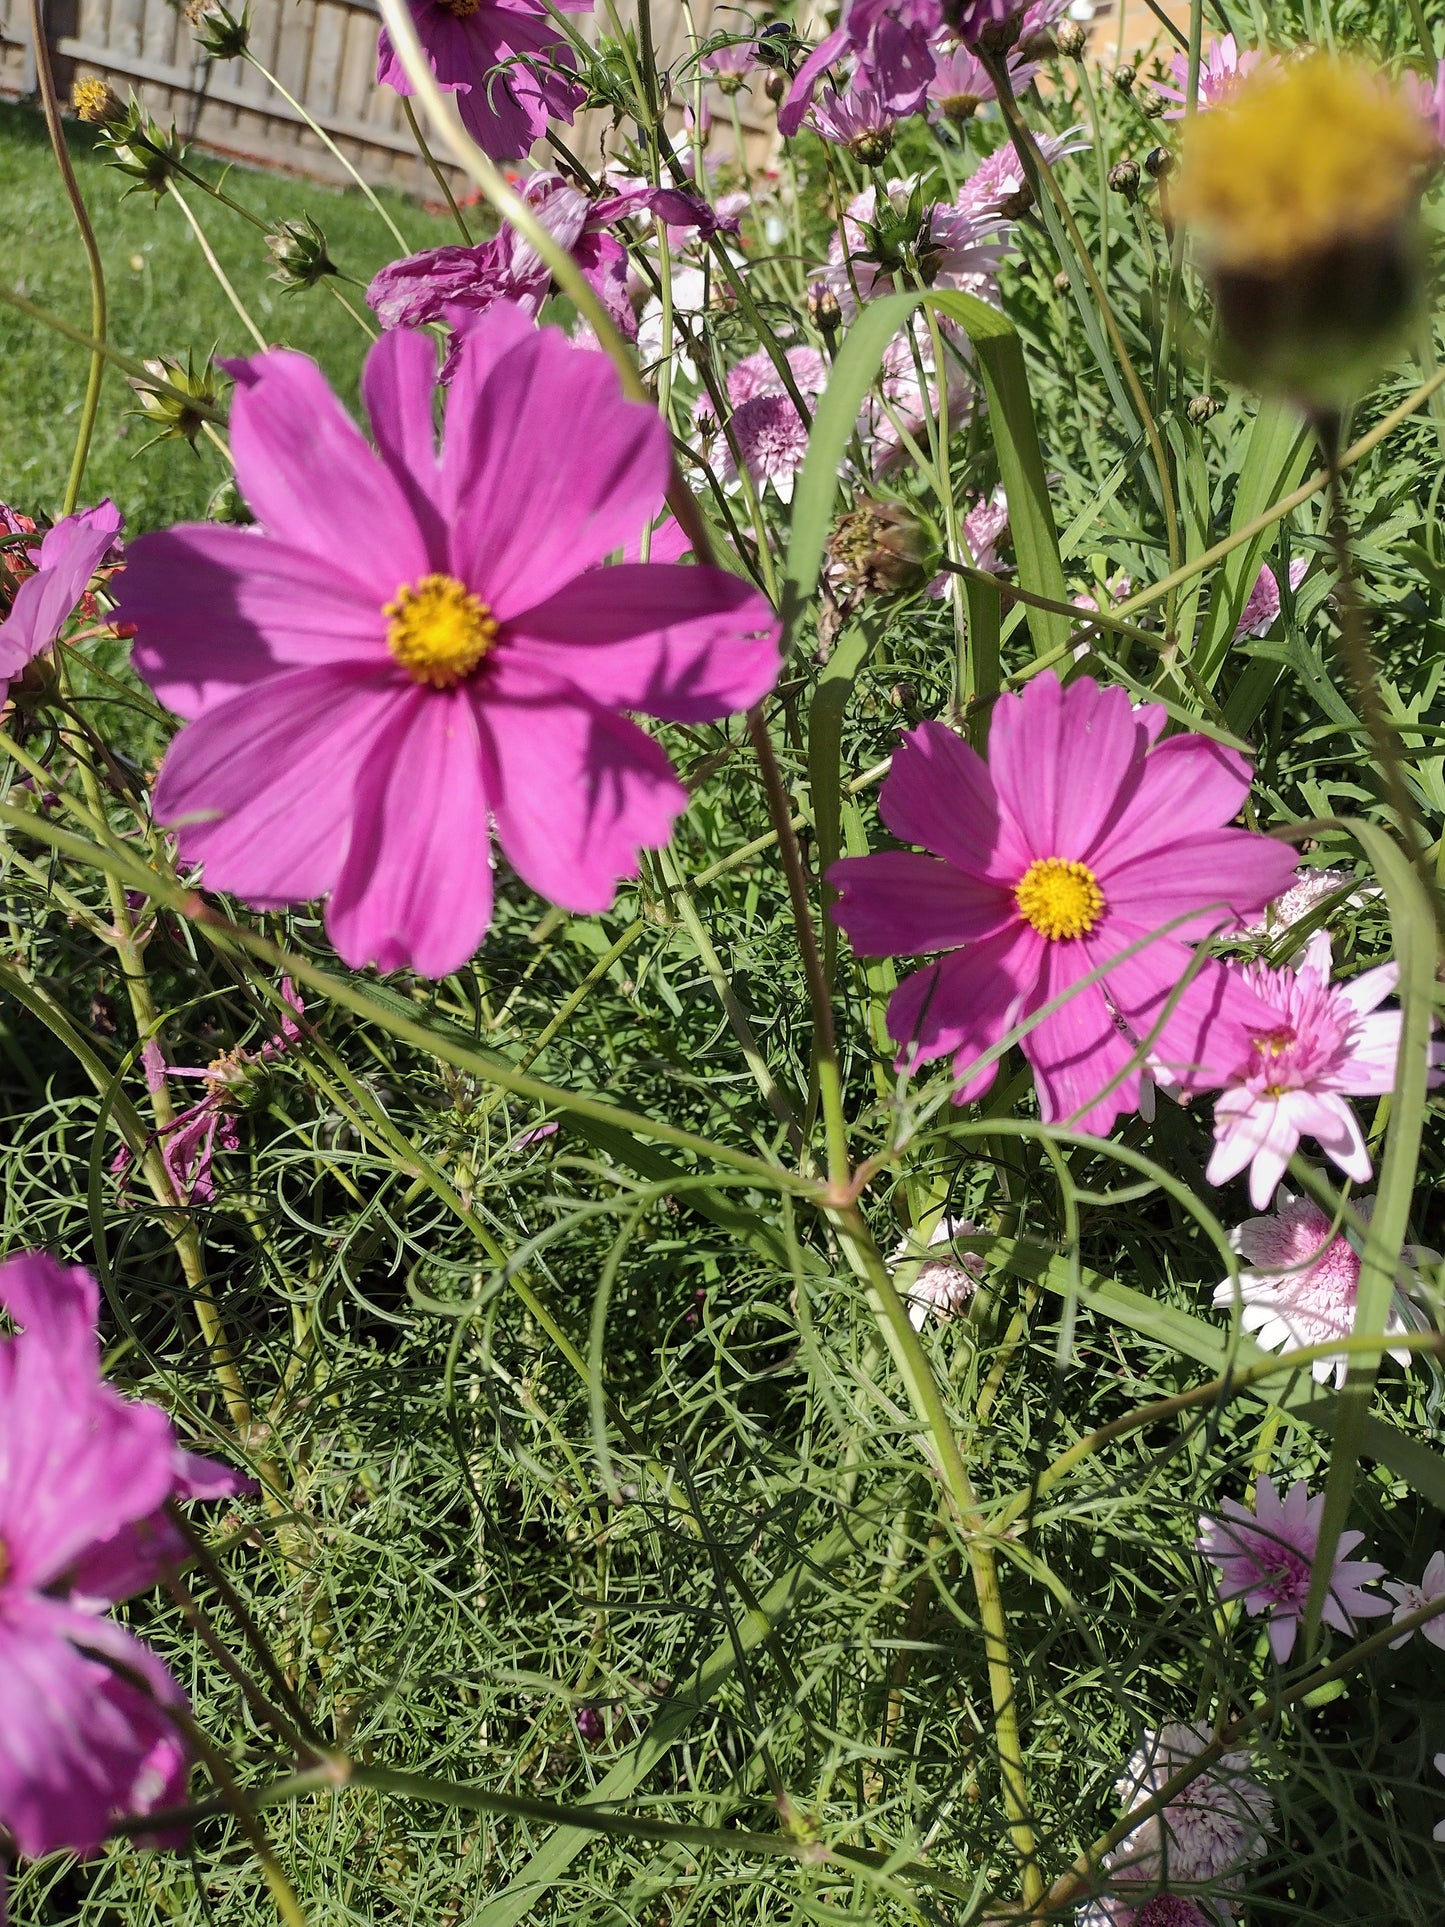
(330, 145)
(436, 171)
(216, 269)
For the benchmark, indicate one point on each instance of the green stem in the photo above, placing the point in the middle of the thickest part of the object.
(431, 160)
(330, 145)
(216, 269)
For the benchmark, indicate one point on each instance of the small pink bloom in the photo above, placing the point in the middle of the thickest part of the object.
(943, 1285)
(898, 408)
(738, 57)
(771, 435)
(1159, 1910)
(857, 119)
(1410, 1598)
(1324, 1043)
(416, 646)
(756, 374)
(998, 186)
(984, 528)
(962, 247)
(1309, 889)
(504, 58)
(1261, 611)
(1221, 71)
(1265, 1558)
(1082, 836)
(67, 557)
(1301, 1286)
(889, 41)
(85, 1476)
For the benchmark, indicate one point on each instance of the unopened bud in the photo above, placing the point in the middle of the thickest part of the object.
(777, 46)
(1201, 409)
(1150, 104)
(872, 148)
(223, 35)
(94, 103)
(776, 87)
(1158, 163)
(1123, 79)
(824, 310)
(1071, 38)
(1124, 179)
(181, 409)
(299, 250)
(1061, 281)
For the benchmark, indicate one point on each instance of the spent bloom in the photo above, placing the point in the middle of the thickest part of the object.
(504, 59)
(85, 1477)
(1265, 1558)
(1261, 610)
(65, 559)
(417, 648)
(1082, 836)
(1301, 1282)
(1323, 1043)
(1410, 1598)
(1221, 71)
(943, 1285)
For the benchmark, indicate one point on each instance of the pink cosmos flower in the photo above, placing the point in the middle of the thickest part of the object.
(504, 59)
(942, 1286)
(1409, 1599)
(413, 647)
(1302, 1285)
(1265, 1557)
(889, 41)
(1261, 611)
(64, 561)
(1082, 836)
(84, 1479)
(426, 287)
(1221, 71)
(1322, 1043)
(681, 210)
(998, 186)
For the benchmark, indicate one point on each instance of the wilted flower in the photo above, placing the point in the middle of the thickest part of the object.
(140, 148)
(1302, 1282)
(1261, 611)
(94, 102)
(1265, 1557)
(879, 548)
(1410, 1599)
(299, 250)
(1074, 842)
(504, 59)
(85, 1477)
(1322, 1044)
(67, 557)
(223, 35)
(1301, 192)
(414, 650)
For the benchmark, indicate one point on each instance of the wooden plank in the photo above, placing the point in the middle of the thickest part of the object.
(324, 81)
(164, 38)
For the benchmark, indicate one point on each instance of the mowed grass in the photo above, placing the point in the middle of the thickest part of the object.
(164, 300)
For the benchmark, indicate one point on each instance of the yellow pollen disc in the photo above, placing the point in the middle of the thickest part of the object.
(1059, 899)
(439, 631)
(90, 98)
(1301, 157)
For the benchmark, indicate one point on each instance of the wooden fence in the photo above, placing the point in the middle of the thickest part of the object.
(322, 52)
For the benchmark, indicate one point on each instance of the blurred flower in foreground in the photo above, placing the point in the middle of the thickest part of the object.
(64, 561)
(943, 1285)
(1302, 1285)
(416, 650)
(1302, 193)
(1209, 1832)
(504, 59)
(85, 1476)
(1409, 1599)
(1080, 837)
(1265, 1558)
(1325, 1043)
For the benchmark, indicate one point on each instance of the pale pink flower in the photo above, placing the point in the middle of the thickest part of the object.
(1302, 1285)
(1221, 70)
(771, 435)
(984, 528)
(1432, 102)
(1327, 1042)
(856, 119)
(943, 1285)
(897, 410)
(1309, 889)
(416, 648)
(1261, 611)
(961, 247)
(998, 186)
(756, 374)
(961, 83)
(1410, 1598)
(1265, 1557)
(1158, 1910)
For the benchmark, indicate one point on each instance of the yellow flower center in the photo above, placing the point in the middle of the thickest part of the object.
(1058, 898)
(1300, 158)
(439, 631)
(91, 99)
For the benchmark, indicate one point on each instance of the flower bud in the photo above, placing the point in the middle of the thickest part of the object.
(140, 149)
(1201, 409)
(1158, 163)
(94, 103)
(223, 35)
(879, 548)
(1122, 79)
(776, 87)
(1124, 179)
(299, 250)
(872, 148)
(777, 47)
(824, 309)
(1150, 104)
(1071, 38)
(173, 415)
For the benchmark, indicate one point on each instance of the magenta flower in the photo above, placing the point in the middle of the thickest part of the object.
(67, 557)
(504, 59)
(1301, 1284)
(1410, 1598)
(1323, 1042)
(857, 119)
(84, 1478)
(430, 286)
(1261, 611)
(1082, 836)
(1221, 71)
(1265, 1557)
(889, 41)
(412, 646)
(987, 22)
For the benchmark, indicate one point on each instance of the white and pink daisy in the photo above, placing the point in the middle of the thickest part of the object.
(943, 1285)
(1329, 1043)
(1302, 1285)
(1410, 1598)
(1265, 1557)
(1309, 889)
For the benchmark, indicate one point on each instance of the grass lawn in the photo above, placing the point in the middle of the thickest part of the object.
(163, 300)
